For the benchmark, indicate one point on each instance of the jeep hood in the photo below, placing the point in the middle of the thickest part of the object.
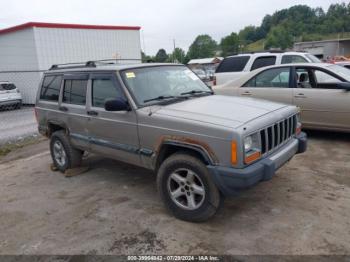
(228, 111)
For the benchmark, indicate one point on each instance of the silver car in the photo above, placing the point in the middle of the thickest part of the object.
(164, 118)
(322, 91)
(10, 97)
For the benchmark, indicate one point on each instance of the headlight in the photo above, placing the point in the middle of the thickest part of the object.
(248, 143)
(252, 148)
(251, 143)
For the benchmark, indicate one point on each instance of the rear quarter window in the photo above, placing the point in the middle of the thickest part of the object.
(289, 59)
(50, 88)
(263, 61)
(233, 64)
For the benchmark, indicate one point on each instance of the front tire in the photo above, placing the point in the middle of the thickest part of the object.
(64, 155)
(187, 189)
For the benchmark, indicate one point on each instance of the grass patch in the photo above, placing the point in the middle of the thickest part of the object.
(11, 146)
(256, 46)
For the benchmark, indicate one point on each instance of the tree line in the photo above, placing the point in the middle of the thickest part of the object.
(279, 30)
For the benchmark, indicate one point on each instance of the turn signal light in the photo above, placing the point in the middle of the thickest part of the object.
(234, 152)
(252, 157)
(298, 129)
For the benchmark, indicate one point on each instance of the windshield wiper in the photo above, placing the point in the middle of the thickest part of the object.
(158, 98)
(193, 92)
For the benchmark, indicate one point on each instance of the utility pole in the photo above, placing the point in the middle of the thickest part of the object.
(174, 51)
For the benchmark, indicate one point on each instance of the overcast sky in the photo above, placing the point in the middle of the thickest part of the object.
(161, 20)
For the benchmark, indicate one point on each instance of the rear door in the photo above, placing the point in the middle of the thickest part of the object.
(271, 84)
(322, 103)
(73, 108)
(111, 133)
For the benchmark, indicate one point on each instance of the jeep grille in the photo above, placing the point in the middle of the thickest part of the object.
(277, 134)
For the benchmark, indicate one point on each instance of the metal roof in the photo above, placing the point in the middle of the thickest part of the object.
(69, 26)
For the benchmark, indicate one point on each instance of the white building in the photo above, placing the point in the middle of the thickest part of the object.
(29, 49)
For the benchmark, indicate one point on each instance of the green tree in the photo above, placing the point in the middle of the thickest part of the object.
(229, 44)
(177, 56)
(248, 34)
(161, 56)
(279, 38)
(146, 58)
(202, 47)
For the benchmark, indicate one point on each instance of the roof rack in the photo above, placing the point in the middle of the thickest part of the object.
(92, 63)
(270, 51)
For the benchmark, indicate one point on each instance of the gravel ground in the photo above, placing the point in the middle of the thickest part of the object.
(17, 124)
(114, 208)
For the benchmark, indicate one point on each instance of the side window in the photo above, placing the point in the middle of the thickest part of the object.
(74, 91)
(304, 78)
(323, 77)
(50, 88)
(347, 66)
(288, 59)
(233, 64)
(276, 77)
(103, 89)
(263, 61)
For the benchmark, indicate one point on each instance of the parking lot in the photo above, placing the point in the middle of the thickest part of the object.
(17, 124)
(114, 208)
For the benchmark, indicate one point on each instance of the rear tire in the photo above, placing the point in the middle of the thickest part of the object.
(186, 188)
(64, 155)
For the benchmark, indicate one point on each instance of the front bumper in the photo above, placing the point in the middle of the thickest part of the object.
(231, 180)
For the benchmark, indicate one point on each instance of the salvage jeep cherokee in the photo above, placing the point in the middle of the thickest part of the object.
(163, 117)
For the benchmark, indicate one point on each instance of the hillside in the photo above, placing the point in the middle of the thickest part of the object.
(260, 44)
(295, 24)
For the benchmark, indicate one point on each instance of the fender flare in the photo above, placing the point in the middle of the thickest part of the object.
(199, 147)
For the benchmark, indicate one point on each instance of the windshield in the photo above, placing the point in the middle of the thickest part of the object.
(341, 71)
(313, 58)
(149, 83)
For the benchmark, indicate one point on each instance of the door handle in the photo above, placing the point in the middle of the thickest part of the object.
(300, 95)
(63, 108)
(92, 113)
(246, 93)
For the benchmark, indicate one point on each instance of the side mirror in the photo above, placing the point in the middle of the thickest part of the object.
(344, 85)
(118, 104)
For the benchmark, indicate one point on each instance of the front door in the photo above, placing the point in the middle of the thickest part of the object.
(271, 84)
(113, 134)
(322, 104)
